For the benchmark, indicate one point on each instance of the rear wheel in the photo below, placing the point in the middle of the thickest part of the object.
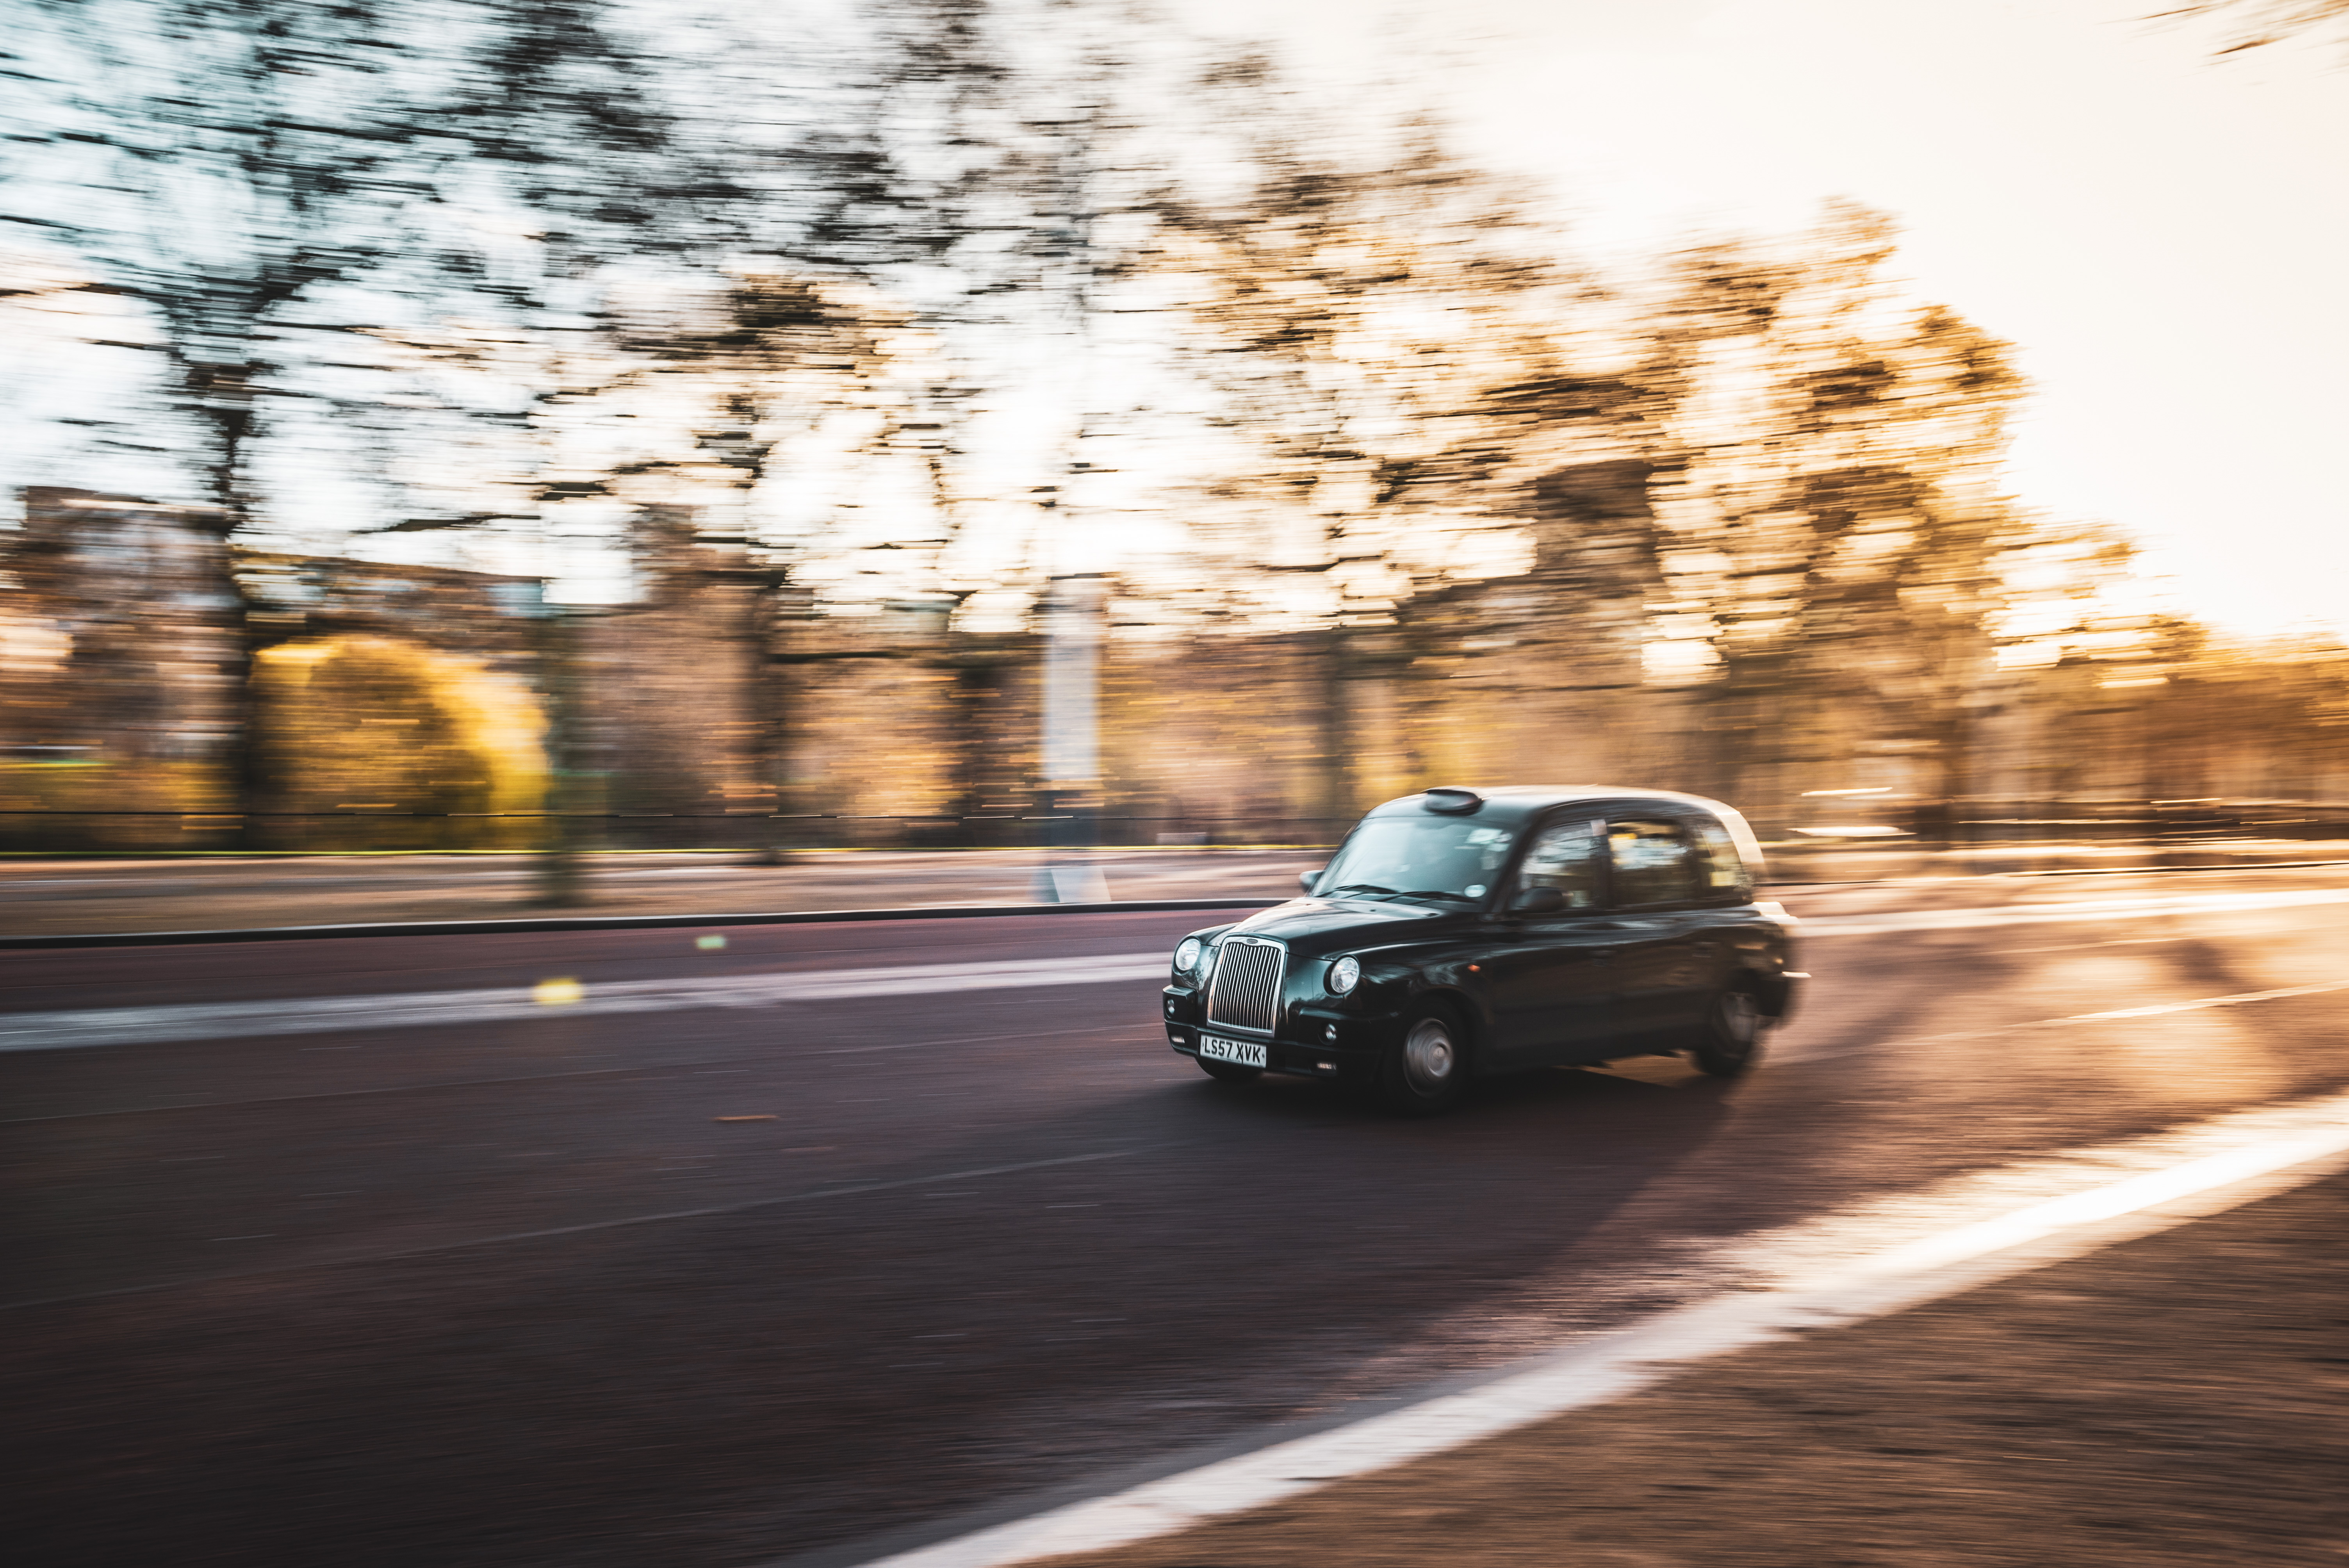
(1732, 1036)
(1229, 1072)
(1430, 1073)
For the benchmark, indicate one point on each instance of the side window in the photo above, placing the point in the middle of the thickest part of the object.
(1564, 855)
(1654, 861)
(1721, 869)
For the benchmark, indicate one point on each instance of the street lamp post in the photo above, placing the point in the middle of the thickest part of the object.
(1071, 740)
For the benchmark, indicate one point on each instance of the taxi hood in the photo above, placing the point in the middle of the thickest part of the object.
(1314, 926)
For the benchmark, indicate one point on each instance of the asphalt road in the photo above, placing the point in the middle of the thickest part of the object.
(508, 1288)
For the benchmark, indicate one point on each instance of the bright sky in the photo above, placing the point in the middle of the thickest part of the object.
(2163, 235)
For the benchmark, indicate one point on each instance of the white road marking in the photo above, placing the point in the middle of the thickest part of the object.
(323, 1014)
(2192, 1004)
(327, 1014)
(2247, 1155)
(2077, 910)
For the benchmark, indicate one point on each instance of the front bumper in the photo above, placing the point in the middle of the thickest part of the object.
(1310, 1042)
(1779, 993)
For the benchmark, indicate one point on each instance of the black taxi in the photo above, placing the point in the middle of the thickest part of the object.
(1460, 934)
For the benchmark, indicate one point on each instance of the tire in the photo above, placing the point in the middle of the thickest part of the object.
(1730, 1038)
(1228, 1072)
(1430, 1073)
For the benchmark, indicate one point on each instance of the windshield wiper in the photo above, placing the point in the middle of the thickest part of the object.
(1437, 892)
(1358, 887)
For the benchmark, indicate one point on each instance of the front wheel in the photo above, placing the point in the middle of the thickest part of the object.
(1430, 1073)
(1228, 1072)
(1732, 1036)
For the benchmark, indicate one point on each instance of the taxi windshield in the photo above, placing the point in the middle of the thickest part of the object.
(1441, 859)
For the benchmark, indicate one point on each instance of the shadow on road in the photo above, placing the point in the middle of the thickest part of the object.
(735, 1387)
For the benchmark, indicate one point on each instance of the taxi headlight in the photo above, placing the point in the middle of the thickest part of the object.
(1186, 955)
(1345, 974)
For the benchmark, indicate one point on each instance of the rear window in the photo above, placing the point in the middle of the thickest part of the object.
(1654, 861)
(1721, 860)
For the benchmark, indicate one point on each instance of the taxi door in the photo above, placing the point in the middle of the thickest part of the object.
(1550, 975)
(1661, 937)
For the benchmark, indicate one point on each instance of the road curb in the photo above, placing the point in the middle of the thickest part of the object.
(616, 922)
(945, 912)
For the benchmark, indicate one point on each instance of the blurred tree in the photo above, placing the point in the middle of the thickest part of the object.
(1386, 340)
(572, 174)
(1370, 330)
(282, 185)
(784, 320)
(781, 360)
(832, 288)
(361, 724)
(230, 160)
(2265, 20)
(225, 162)
(1833, 536)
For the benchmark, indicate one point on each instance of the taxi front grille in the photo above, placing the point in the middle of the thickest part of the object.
(1246, 991)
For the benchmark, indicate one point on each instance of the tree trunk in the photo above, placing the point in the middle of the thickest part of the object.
(561, 882)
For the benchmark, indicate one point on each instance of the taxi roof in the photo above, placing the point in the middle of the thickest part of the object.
(1514, 802)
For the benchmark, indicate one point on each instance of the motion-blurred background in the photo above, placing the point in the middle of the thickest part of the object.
(713, 458)
(528, 425)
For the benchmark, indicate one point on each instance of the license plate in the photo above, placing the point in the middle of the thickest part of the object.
(1246, 1053)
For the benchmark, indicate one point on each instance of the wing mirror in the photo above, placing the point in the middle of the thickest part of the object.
(1307, 879)
(1537, 901)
